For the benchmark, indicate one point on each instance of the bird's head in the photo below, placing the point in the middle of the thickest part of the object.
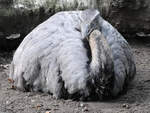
(90, 20)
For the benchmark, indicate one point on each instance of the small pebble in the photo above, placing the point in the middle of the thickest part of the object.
(32, 101)
(85, 109)
(7, 102)
(81, 105)
(125, 106)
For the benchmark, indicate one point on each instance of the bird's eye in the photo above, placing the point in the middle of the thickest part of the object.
(78, 29)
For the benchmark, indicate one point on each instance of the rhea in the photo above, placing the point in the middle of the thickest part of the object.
(74, 54)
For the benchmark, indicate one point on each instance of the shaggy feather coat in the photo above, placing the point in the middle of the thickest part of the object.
(63, 56)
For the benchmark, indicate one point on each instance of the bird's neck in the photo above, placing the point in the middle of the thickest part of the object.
(95, 65)
(101, 66)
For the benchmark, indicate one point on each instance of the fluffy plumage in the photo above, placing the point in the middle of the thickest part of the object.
(56, 57)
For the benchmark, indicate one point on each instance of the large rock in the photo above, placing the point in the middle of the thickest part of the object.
(131, 17)
(19, 17)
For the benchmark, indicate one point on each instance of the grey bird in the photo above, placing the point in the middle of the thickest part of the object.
(74, 54)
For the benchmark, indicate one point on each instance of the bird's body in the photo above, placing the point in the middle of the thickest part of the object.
(54, 58)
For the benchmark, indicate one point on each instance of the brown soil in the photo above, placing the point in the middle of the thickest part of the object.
(136, 100)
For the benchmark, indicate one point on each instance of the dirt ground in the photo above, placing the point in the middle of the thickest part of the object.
(136, 100)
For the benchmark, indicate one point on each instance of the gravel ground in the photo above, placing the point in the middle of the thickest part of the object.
(136, 100)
